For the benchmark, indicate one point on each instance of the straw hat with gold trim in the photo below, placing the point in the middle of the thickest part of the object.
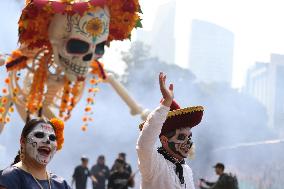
(180, 118)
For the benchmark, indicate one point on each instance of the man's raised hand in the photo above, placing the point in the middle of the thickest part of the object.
(167, 93)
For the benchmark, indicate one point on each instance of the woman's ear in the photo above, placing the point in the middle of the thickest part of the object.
(22, 141)
(164, 139)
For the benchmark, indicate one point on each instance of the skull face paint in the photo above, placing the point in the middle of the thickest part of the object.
(181, 142)
(41, 143)
(77, 40)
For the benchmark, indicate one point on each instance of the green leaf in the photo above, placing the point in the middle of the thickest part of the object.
(139, 23)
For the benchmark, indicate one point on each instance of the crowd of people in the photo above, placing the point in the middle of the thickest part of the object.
(118, 177)
(160, 168)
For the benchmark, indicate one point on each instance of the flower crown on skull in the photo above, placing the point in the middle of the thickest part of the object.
(37, 15)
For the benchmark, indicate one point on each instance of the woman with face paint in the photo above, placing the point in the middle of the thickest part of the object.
(40, 139)
(165, 167)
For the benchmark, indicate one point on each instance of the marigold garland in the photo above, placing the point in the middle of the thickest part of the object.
(90, 101)
(75, 92)
(36, 17)
(35, 98)
(69, 98)
(59, 131)
(98, 69)
(65, 97)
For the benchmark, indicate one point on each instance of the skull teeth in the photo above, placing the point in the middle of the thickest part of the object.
(74, 67)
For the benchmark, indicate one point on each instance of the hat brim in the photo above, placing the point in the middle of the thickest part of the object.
(181, 118)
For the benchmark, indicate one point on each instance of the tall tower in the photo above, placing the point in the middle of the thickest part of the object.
(161, 37)
(211, 52)
(265, 81)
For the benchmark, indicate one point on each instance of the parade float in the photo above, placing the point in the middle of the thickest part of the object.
(60, 44)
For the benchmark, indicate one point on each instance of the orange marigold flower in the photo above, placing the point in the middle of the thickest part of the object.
(88, 109)
(11, 109)
(7, 80)
(90, 100)
(7, 119)
(4, 90)
(1, 120)
(59, 128)
(2, 109)
(70, 107)
(94, 27)
(93, 81)
(4, 100)
(84, 128)
(16, 90)
(85, 119)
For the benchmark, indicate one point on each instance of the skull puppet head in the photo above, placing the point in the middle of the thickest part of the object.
(77, 40)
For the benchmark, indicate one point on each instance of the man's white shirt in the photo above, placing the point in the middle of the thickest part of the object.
(156, 171)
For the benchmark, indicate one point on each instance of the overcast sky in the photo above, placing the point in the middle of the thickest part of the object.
(257, 25)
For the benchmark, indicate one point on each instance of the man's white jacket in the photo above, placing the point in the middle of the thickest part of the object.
(156, 171)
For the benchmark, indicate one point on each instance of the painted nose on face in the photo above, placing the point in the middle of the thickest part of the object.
(88, 57)
(48, 141)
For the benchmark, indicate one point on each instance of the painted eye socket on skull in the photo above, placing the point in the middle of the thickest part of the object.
(51, 137)
(77, 46)
(183, 137)
(100, 48)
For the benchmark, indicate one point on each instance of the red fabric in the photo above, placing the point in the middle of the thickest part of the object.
(98, 2)
(80, 8)
(40, 3)
(174, 106)
(190, 120)
(59, 7)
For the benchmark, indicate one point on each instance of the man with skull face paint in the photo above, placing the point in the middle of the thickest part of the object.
(40, 139)
(165, 168)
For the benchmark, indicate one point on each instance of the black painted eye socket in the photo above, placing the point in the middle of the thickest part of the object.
(77, 46)
(100, 48)
(39, 134)
(181, 137)
(52, 137)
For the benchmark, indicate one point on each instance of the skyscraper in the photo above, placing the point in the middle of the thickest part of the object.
(265, 81)
(161, 37)
(211, 52)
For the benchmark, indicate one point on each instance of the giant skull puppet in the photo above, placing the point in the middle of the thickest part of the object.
(60, 44)
(77, 40)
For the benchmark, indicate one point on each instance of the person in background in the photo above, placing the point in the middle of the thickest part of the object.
(127, 167)
(225, 181)
(81, 174)
(39, 142)
(100, 172)
(120, 177)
